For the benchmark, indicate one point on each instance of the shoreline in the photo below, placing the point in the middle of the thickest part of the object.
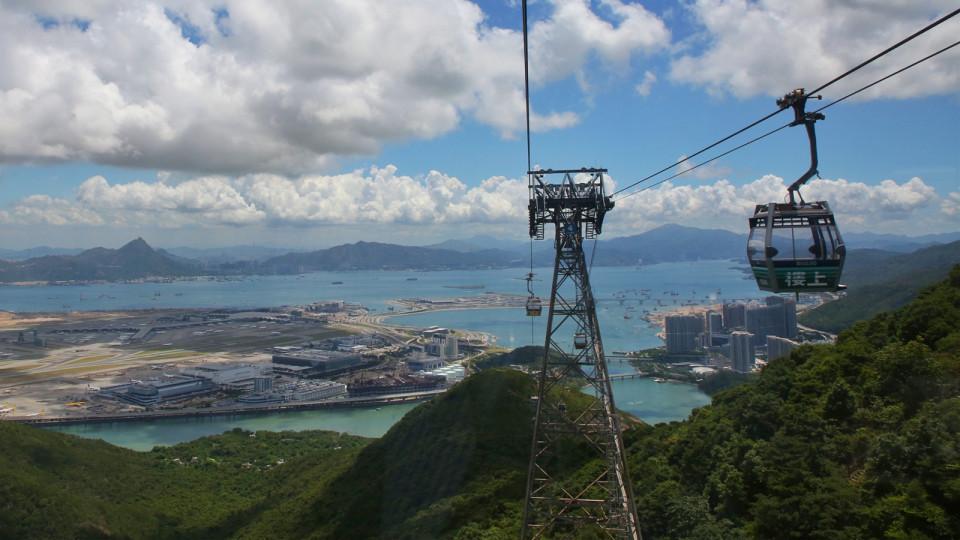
(343, 403)
(51, 377)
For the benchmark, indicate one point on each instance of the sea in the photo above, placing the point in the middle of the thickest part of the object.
(622, 294)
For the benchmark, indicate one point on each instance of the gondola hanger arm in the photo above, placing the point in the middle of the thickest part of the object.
(798, 100)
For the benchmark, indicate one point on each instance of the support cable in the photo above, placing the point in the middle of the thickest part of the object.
(526, 92)
(526, 79)
(697, 153)
(767, 134)
(711, 160)
(891, 48)
(897, 72)
(771, 115)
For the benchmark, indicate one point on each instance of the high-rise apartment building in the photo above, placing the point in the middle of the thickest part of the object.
(742, 347)
(734, 316)
(681, 332)
(778, 319)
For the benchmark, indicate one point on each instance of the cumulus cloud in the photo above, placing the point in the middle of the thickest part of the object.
(379, 196)
(562, 44)
(213, 198)
(45, 210)
(951, 205)
(771, 46)
(644, 87)
(384, 202)
(911, 207)
(235, 87)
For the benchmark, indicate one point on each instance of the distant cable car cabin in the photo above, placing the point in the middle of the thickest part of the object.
(796, 246)
(580, 340)
(534, 307)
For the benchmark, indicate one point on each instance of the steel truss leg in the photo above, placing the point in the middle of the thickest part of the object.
(578, 476)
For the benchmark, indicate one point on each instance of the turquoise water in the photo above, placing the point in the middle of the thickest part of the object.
(655, 402)
(650, 401)
(616, 290)
(144, 435)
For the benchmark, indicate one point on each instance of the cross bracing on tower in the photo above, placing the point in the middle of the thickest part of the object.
(577, 477)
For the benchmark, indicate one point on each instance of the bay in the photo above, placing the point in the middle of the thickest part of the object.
(617, 290)
(144, 435)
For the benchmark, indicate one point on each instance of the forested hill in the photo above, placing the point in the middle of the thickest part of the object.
(134, 260)
(379, 256)
(880, 281)
(856, 440)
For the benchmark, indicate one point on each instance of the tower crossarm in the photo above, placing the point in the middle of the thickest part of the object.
(578, 198)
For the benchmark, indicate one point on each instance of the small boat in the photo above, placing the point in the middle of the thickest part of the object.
(336, 283)
(659, 380)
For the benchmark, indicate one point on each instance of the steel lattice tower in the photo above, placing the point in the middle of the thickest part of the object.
(568, 435)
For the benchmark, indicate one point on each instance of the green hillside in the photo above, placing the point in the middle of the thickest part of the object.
(61, 486)
(880, 282)
(856, 440)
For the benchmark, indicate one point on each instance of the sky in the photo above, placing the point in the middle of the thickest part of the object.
(309, 124)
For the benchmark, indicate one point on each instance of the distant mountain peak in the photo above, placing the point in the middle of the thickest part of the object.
(138, 246)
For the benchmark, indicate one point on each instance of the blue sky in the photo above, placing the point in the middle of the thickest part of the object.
(310, 124)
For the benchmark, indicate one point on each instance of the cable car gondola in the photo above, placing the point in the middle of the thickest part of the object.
(580, 340)
(796, 246)
(534, 307)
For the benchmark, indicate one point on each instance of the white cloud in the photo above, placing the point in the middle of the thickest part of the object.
(561, 45)
(387, 206)
(235, 87)
(909, 208)
(212, 198)
(45, 210)
(644, 87)
(772, 46)
(380, 197)
(951, 206)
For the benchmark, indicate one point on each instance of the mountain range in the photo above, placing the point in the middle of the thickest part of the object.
(669, 243)
(134, 260)
(377, 256)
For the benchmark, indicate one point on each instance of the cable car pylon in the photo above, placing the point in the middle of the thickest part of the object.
(564, 495)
